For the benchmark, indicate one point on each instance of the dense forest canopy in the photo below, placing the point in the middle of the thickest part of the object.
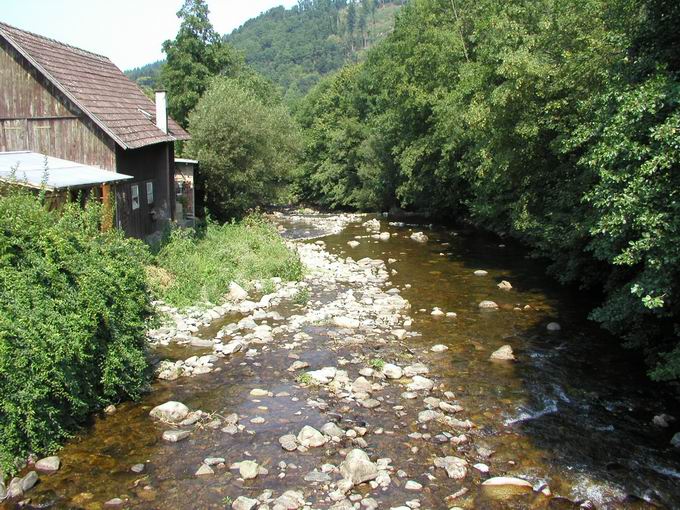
(555, 122)
(295, 47)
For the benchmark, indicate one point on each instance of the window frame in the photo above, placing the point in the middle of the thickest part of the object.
(150, 193)
(134, 197)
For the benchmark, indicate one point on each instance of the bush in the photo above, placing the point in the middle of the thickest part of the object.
(73, 310)
(247, 146)
(196, 266)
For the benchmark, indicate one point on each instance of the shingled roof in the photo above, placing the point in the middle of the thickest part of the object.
(96, 86)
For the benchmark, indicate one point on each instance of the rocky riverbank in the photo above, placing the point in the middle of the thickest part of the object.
(323, 393)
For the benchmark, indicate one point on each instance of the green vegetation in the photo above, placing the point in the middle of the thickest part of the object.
(247, 145)
(194, 267)
(554, 122)
(305, 379)
(293, 48)
(73, 311)
(195, 55)
(377, 363)
(296, 47)
(302, 297)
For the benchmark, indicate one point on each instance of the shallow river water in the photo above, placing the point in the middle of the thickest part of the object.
(574, 412)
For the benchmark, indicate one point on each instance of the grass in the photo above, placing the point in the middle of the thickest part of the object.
(305, 379)
(302, 297)
(377, 363)
(194, 267)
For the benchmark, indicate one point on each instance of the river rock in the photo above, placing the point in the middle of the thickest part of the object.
(501, 487)
(289, 500)
(170, 412)
(503, 354)
(481, 272)
(663, 420)
(310, 437)
(455, 467)
(138, 468)
(204, 470)
(28, 481)
(384, 236)
(361, 385)
(353, 244)
(419, 383)
(298, 365)
(358, 468)
(244, 503)
(114, 502)
(373, 225)
(675, 441)
(439, 348)
(488, 305)
(505, 285)
(48, 464)
(213, 461)
(346, 322)
(248, 469)
(437, 312)
(416, 369)
(288, 442)
(257, 392)
(419, 237)
(236, 292)
(481, 467)
(332, 430)
(323, 376)
(553, 326)
(232, 347)
(173, 436)
(392, 371)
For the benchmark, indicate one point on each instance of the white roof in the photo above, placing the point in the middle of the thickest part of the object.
(34, 169)
(184, 160)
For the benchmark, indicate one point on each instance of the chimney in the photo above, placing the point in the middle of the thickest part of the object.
(161, 111)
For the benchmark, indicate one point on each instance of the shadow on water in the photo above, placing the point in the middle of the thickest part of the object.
(576, 408)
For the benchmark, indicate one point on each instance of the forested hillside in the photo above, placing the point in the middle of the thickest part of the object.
(555, 122)
(296, 47)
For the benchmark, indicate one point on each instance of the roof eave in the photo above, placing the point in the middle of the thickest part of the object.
(61, 88)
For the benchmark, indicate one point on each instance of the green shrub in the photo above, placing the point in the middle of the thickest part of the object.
(194, 267)
(73, 306)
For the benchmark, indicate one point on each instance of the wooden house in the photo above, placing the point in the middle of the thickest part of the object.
(75, 105)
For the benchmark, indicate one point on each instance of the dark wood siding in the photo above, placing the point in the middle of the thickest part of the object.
(35, 116)
(148, 164)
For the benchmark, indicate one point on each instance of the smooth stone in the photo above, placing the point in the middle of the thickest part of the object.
(419, 237)
(553, 326)
(439, 348)
(419, 383)
(171, 412)
(331, 429)
(244, 503)
(213, 461)
(503, 487)
(257, 392)
(488, 305)
(289, 500)
(174, 436)
(503, 354)
(505, 285)
(358, 468)
(392, 371)
(353, 244)
(114, 502)
(236, 292)
(412, 485)
(481, 272)
(317, 477)
(481, 467)
(138, 468)
(310, 437)
(248, 469)
(416, 369)
(370, 403)
(204, 470)
(675, 441)
(48, 464)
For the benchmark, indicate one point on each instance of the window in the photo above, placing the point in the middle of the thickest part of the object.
(135, 196)
(149, 192)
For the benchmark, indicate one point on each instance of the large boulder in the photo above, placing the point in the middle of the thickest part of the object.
(358, 468)
(170, 412)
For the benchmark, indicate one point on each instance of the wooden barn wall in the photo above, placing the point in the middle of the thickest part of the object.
(147, 164)
(36, 116)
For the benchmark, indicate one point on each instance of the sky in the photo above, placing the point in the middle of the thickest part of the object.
(129, 32)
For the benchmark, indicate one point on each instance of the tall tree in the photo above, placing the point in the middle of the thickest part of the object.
(195, 55)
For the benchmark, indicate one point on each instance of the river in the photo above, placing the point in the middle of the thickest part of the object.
(572, 415)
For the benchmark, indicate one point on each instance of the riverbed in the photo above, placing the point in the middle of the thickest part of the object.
(572, 415)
